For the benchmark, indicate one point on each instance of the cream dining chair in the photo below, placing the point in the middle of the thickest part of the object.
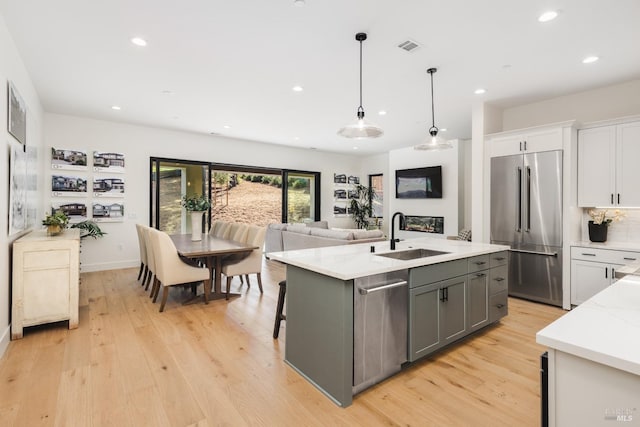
(251, 264)
(171, 270)
(143, 253)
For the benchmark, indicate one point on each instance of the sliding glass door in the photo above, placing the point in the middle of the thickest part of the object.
(300, 196)
(170, 181)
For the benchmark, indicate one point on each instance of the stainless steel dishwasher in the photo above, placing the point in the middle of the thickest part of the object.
(379, 327)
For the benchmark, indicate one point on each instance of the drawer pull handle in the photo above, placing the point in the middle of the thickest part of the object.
(629, 258)
(499, 258)
(480, 275)
(586, 254)
(480, 262)
(499, 305)
(499, 279)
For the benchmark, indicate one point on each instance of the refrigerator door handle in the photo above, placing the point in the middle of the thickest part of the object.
(528, 199)
(551, 254)
(519, 200)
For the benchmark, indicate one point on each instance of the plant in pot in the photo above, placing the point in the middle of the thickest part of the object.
(56, 223)
(599, 224)
(197, 205)
(361, 204)
(89, 228)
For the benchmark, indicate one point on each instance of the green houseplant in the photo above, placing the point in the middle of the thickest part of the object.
(196, 203)
(361, 205)
(89, 228)
(56, 223)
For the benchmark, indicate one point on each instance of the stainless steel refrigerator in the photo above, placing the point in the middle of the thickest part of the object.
(526, 213)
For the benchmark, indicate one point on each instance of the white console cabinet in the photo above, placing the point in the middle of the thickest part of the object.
(45, 280)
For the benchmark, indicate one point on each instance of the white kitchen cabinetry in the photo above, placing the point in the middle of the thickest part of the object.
(45, 280)
(608, 174)
(593, 269)
(526, 142)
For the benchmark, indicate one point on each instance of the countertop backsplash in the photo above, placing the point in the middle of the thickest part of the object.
(625, 231)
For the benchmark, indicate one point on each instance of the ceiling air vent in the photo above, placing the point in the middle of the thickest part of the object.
(409, 45)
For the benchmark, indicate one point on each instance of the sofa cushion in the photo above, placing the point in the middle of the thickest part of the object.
(318, 224)
(299, 228)
(331, 234)
(278, 226)
(367, 234)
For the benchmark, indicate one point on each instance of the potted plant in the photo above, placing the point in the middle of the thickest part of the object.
(600, 220)
(56, 223)
(197, 205)
(361, 204)
(89, 228)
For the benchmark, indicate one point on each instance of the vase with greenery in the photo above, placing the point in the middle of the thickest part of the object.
(56, 223)
(197, 205)
(361, 204)
(89, 228)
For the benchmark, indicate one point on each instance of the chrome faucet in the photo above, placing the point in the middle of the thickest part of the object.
(401, 225)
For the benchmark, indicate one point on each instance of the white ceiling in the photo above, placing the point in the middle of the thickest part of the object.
(234, 62)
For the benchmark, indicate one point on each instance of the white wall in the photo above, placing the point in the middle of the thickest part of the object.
(604, 103)
(447, 207)
(120, 247)
(12, 69)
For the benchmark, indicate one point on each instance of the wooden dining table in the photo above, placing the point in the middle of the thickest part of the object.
(212, 250)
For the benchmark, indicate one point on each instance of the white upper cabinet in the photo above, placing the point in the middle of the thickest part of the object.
(608, 173)
(527, 142)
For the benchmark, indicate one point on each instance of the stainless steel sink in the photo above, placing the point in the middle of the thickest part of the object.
(412, 254)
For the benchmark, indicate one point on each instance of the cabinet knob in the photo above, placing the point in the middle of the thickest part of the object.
(480, 275)
(499, 258)
(499, 279)
(480, 262)
(499, 305)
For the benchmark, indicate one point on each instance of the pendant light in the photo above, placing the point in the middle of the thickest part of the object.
(433, 142)
(361, 128)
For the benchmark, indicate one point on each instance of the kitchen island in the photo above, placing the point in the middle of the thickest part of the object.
(594, 359)
(449, 289)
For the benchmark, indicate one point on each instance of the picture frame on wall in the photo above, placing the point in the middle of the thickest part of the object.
(63, 159)
(108, 162)
(17, 120)
(17, 190)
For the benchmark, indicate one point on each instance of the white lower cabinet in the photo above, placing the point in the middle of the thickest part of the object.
(45, 280)
(593, 269)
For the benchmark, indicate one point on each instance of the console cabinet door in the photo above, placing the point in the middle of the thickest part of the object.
(424, 323)
(478, 300)
(453, 309)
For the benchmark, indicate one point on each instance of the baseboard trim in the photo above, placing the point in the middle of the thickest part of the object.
(90, 268)
(4, 340)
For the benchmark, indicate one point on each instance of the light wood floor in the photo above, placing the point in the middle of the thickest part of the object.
(129, 365)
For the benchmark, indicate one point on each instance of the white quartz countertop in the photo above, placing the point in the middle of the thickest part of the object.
(614, 246)
(348, 262)
(603, 329)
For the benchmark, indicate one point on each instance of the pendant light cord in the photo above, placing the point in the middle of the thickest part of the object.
(433, 114)
(360, 73)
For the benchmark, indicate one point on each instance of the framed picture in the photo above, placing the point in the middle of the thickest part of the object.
(17, 190)
(108, 162)
(108, 187)
(68, 186)
(68, 159)
(107, 212)
(17, 123)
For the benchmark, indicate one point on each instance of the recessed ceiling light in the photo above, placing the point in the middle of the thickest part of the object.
(116, 107)
(297, 89)
(296, 138)
(549, 15)
(590, 59)
(167, 92)
(226, 127)
(355, 148)
(480, 91)
(382, 113)
(299, 3)
(443, 130)
(138, 41)
(312, 148)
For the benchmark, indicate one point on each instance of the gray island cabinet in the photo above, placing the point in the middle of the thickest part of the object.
(449, 296)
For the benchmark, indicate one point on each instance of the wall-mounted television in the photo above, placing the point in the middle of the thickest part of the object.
(419, 183)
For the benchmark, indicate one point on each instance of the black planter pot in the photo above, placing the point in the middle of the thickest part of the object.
(597, 232)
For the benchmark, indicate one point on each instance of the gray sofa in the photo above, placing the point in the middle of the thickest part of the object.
(285, 237)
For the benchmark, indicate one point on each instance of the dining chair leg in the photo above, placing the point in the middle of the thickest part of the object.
(144, 277)
(151, 275)
(248, 282)
(279, 316)
(259, 281)
(241, 280)
(228, 285)
(140, 272)
(155, 290)
(165, 294)
(207, 288)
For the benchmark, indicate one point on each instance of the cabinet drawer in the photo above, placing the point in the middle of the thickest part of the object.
(498, 306)
(609, 256)
(41, 260)
(498, 279)
(434, 273)
(478, 263)
(498, 258)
